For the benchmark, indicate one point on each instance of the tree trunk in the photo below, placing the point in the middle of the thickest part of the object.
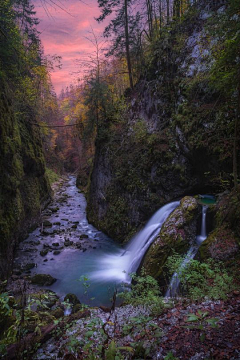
(127, 44)
(168, 11)
(150, 19)
(235, 143)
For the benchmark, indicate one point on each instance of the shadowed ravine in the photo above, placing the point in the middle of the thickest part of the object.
(72, 247)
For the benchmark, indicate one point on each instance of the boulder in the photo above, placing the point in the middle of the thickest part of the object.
(57, 313)
(47, 223)
(43, 280)
(72, 299)
(177, 234)
(44, 252)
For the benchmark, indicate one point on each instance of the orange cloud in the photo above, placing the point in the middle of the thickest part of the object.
(64, 33)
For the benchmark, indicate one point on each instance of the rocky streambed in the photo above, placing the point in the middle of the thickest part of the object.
(61, 253)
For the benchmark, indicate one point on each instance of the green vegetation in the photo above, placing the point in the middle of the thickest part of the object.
(202, 280)
(52, 176)
(144, 291)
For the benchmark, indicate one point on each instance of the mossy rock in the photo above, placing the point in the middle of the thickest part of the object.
(47, 223)
(76, 308)
(54, 209)
(56, 252)
(72, 299)
(44, 252)
(57, 313)
(28, 266)
(221, 245)
(68, 243)
(43, 280)
(177, 234)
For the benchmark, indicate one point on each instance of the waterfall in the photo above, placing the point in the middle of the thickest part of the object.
(175, 281)
(119, 266)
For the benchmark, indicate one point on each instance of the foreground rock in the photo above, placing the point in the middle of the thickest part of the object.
(136, 334)
(43, 280)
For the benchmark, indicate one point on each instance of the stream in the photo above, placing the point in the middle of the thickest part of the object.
(68, 248)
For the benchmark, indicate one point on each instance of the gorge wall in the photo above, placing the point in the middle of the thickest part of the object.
(24, 188)
(171, 140)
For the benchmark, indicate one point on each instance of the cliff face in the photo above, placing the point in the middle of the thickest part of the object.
(24, 188)
(167, 143)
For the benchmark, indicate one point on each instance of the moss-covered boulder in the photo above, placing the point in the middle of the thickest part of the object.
(57, 313)
(43, 280)
(220, 245)
(224, 241)
(72, 299)
(177, 234)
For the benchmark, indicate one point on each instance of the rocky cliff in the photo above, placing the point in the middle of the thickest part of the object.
(24, 188)
(172, 139)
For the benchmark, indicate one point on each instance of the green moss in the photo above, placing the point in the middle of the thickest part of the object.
(175, 236)
(52, 176)
(42, 279)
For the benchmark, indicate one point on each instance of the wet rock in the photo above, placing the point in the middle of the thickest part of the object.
(68, 243)
(72, 299)
(17, 272)
(47, 232)
(44, 252)
(54, 209)
(83, 236)
(105, 309)
(76, 222)
(55, 244)
(28, 266)
(43, 280)
(56, 252)
(74, 226)
(177, 235)
(57, 313)
(34, 242)
(47, 223)
(57, 223)
(76, 308)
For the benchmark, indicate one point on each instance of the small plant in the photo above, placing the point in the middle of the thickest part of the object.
(200, 322)
(170, 356)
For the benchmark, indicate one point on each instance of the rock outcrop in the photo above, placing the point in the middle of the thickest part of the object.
(177, 234)
(24, 188)
(165, 145)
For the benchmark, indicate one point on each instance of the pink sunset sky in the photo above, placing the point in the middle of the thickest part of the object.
(64, 33)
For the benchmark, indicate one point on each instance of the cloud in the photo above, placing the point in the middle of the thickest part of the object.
(64, 32)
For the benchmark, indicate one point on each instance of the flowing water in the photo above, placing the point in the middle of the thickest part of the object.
(175, 281)
(72, 248)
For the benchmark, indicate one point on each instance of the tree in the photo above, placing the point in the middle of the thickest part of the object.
(123, 28)
(225, 74)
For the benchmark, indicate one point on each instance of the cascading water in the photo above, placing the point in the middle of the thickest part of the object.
(175, 281)
(120, 265)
